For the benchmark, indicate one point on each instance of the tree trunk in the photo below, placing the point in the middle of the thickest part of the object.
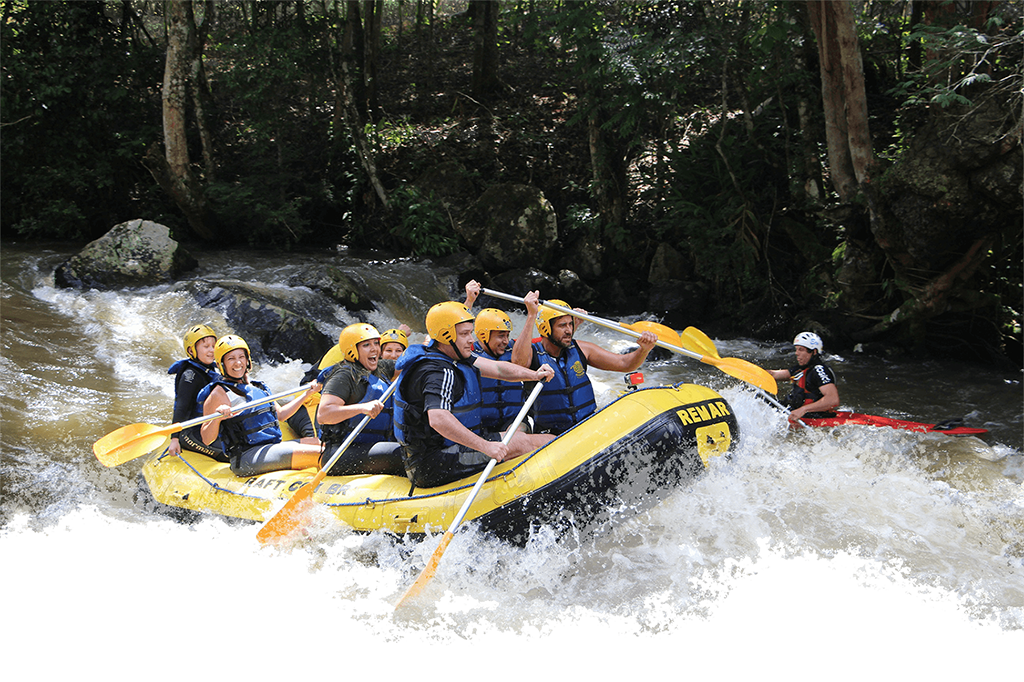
(845, 102)
(485, 53)
(372, 17)
(347, 85)
(174, 172)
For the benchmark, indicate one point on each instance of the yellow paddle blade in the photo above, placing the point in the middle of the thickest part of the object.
(744, 371)
(292, 516)
(696, 340)
(130, 442)
(666, 334)
(428, 571)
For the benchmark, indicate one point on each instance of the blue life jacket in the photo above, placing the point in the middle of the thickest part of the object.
(466, 409)
(377, 430)
(256, 426)
(568, 398)
(502, 400)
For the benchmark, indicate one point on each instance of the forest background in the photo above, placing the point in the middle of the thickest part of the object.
(749, 167)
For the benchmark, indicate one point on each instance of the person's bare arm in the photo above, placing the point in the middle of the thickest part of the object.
(522, 349)
(617, 362)
(829, 401)
(216, 402)
(508, 371)
(333, 410)
(293, 405)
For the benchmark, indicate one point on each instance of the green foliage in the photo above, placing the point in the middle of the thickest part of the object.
(283, 169)
(714, 212)
(960, 57)
(73, 134)
(421, 222)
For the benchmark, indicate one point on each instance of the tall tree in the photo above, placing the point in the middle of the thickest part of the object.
(843, 97)
(485, 44)
(173, 171)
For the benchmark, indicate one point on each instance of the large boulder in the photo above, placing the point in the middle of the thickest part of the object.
(271, 326)
(510, 226)
(667, 264)
(344, 289)
(134, 253)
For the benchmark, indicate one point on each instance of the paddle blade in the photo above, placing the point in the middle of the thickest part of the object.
(744, 371)
(292, 516)
(664, 333)
(698, 341)
(130, 442)
(428, 571)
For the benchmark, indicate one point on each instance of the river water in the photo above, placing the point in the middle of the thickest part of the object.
(841, 553)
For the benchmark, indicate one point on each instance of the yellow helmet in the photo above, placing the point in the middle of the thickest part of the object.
(225, 345)
(491, 320)
(395, 336)
(194, 335)
(547, 314)
(442, 318)
(353, 335)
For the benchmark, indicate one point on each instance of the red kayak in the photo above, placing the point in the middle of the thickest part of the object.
(950, 427)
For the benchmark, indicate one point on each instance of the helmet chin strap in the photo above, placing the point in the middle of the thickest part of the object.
(458, 354)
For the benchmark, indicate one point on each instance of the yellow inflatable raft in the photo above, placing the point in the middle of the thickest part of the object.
(625, 456)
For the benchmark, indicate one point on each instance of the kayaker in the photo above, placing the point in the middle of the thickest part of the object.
(569, 398)
(252, 439)
(393, 342)
(191, 375)
(501, 400)
(438, 402)
(352, 389)
(815, 394)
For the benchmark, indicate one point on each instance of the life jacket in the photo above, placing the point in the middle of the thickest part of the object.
(801, 394)
(201, 370)
(501, 400)
(377, 429)
(255, 426)
(568, 398)
(467, 409)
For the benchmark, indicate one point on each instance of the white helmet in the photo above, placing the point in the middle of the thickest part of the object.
(809, 340)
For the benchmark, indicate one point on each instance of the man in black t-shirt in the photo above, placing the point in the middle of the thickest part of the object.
(438, 403)
(814, 391)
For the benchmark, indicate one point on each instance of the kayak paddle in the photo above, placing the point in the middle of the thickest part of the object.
(135, 440)
(290, 517)
(734, 367)
(699, 341)
(428, 571)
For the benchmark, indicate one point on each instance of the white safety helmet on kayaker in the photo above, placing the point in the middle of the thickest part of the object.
(809, 340)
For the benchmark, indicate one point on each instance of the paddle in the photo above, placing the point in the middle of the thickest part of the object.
(290, 517)
(734, 367)
(135, 440)
(699, 341)
(428, 571)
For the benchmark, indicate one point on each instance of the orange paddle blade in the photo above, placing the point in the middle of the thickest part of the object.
(428, 571)
(292, 516)
(744, 371)
(696, 340)
(130, 442)
(666, 334)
